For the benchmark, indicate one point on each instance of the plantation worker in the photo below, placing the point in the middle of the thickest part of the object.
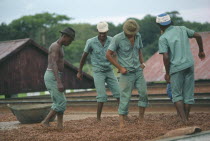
(53, 76)
(102, 68)
(179, 63)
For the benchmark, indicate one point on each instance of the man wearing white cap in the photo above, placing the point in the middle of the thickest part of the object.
(128, 46)
(102, 68)
(179, 62)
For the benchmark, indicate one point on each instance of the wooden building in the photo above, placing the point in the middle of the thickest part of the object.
(23, 64)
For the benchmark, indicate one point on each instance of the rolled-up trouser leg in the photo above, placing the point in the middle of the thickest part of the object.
(58, 98)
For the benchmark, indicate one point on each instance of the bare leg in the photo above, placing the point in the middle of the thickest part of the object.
(177, 112)
(122, 121)
(59, 121)
(141, 113)
(99, 110)
(187, 108)
(180, 108)
(126, 118)
(46, 121)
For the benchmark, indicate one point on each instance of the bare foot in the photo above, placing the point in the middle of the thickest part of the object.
(122, 125)
(60, 126)
(126, 118)
(45, 124)
(141, 119)
(186, 122)
(98, 119)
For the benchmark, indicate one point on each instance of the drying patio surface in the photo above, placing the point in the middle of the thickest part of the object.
(80, 125)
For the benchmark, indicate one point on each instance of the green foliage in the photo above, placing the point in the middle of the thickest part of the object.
(44, 29)
(113, 30)
(35, 27)
(74, 52)
(5, 32)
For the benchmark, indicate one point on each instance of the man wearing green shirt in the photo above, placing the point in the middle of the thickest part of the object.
(179, 63)
(102, 68)
(128, 47)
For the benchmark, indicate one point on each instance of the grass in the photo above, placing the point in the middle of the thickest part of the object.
(2, 97)
(22, 95)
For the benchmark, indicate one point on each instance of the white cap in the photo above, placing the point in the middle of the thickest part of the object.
(163, 19)
(102, 27)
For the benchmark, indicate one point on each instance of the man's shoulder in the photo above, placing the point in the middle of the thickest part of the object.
(54, 46)
(90, 40)
(179, 26)
(119, 36)
(162, 37)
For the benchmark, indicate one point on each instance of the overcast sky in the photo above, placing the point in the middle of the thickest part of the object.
(116, 11)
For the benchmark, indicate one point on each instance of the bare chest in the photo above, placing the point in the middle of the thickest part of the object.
(132, 41)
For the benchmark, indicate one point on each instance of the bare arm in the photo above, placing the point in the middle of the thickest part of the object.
(198, 38)
(141, 59)
(167, 66)
(109, 56)
(82, 62)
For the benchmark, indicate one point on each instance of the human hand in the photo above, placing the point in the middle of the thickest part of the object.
(123, 70)
(201, 55)
(142, 65)
(79, 75)
(60, 87)
(167, 78)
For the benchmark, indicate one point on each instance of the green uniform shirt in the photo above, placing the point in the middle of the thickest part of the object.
(128, 55)
(98, 54)
(175, 42)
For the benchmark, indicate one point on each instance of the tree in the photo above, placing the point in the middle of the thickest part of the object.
(35, 26)
(44, 29)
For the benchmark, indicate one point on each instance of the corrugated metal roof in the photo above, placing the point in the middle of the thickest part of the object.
(155, 69)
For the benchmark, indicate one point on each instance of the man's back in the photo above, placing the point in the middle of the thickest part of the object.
(175, 41)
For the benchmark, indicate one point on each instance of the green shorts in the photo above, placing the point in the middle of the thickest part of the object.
(58, 98)
(182, 86)
(100, 78)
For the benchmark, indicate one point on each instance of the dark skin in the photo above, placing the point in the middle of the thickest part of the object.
(182, 109)
(102, 36)
(56, 63)
(122, 70)
(56, 58)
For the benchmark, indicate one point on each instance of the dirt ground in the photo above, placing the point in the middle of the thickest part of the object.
(84, 127)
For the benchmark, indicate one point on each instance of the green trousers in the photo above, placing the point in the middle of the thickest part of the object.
(182, 86)
(127, 82)
(58, 98)
(108, 77)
